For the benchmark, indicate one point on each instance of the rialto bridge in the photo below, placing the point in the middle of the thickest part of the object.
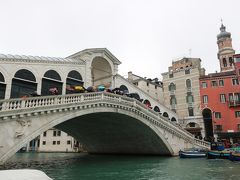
(102, 122)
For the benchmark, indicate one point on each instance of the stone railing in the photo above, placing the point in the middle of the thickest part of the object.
(9, 107)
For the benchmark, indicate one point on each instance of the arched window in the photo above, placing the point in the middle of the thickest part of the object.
(23, 83)
(74, 78)
(172, 87)
(2, 86)
(188, 83)
(74, 75)
(224, 62)
(156, 109)
(51, 74)
(51, 83)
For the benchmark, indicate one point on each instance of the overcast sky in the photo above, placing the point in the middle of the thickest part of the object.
(145, 35)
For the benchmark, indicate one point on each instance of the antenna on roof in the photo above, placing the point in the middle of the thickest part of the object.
(190, 52)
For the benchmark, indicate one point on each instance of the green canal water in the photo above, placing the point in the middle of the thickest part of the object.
(73, 166)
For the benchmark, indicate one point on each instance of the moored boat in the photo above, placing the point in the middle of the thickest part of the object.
(192, 153)
(218, 154)
(235, 156)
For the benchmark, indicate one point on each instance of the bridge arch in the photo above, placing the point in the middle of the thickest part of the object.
(131, 134)
(102, 71)
(23, 83)
(2, 86)
(51, 79)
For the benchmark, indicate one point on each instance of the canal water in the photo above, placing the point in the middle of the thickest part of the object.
(75, 166)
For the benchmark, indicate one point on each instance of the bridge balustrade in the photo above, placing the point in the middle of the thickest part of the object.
(130, 103)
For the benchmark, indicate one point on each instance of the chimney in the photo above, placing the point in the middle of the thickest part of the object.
(130, 76)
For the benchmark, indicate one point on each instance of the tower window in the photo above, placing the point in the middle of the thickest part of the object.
(230, 61)
(224, 62)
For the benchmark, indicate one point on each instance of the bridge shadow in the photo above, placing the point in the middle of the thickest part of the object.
(114, 133)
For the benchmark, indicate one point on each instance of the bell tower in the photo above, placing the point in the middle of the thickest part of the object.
(225, 50)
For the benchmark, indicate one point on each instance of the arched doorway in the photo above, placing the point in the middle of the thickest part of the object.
(101, 72)
(74, 78)
(2, 86)
(51, 80)
(207, 118)
(23, 83)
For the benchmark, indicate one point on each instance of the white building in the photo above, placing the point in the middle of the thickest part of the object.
(153, 87)
(55, 140)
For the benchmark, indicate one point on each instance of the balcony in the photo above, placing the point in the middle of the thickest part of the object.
(189, 89)
(172, 92)
(173, 107)
(190, 104)
(234, 103)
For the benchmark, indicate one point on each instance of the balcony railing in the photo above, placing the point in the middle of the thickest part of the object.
(189, 89)
(172, 92)
(234, 103)
(190, 104)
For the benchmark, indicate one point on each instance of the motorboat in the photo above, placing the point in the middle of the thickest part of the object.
(193, 153)
(218, 154)
(235, 156)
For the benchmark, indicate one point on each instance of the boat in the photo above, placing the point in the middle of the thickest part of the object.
(235, 156)
(193, 153)
(218, 154)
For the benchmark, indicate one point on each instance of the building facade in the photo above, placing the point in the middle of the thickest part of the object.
(220, 93)
(181, 93)
(153, 87)
(55, 140)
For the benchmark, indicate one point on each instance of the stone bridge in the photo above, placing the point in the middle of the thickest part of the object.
(102, 122)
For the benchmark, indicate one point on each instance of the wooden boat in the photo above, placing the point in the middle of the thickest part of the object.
(192, 153)
(235, 156)
(218, 154)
